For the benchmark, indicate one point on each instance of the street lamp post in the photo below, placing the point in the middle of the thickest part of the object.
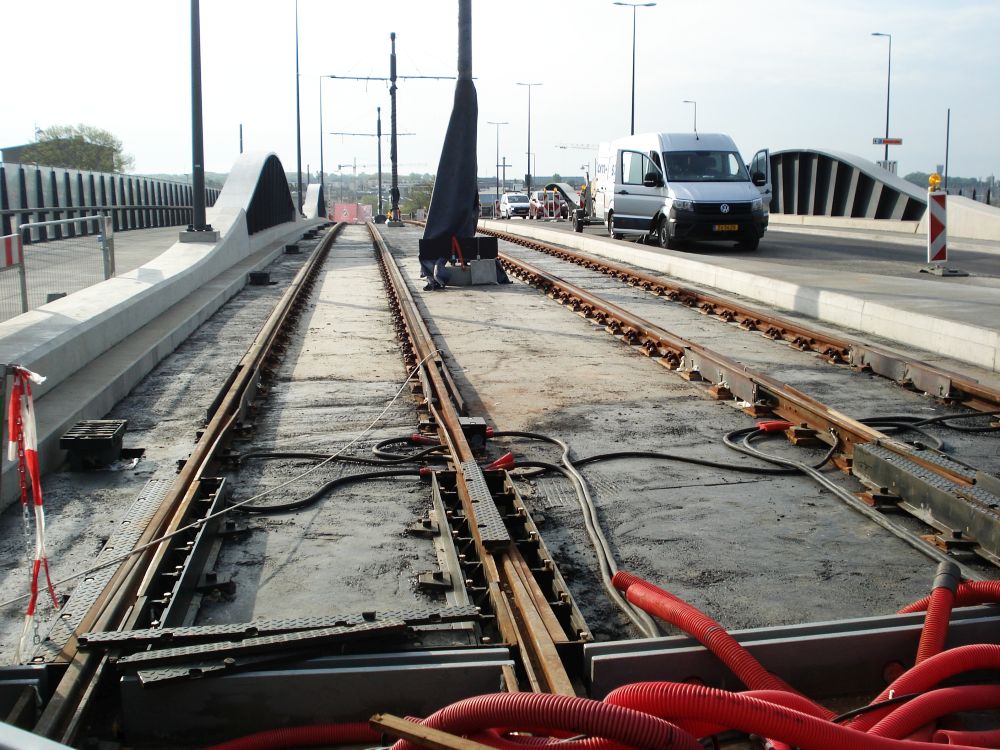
(498, 124)
(888, 88)
(527, 180)
(691, 101)
(633, 6)
(298, 114)
(322, 189)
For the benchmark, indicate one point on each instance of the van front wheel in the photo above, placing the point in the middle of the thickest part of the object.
(611, 228)
(663, 238)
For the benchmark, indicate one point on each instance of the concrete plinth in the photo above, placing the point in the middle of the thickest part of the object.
(207, 236)
(943, 271)
(475, 273)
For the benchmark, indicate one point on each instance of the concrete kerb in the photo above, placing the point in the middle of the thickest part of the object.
(100, 342)
(961, 341)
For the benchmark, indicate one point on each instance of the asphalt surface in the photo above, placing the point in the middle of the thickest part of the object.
(836, 253)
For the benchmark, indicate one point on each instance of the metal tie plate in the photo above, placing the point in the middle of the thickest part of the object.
(235, 631)
(266, 643)
(86, 592)
(491, 526)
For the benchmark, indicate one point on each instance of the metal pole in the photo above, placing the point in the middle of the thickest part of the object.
(527, 177)
(528, 180)
(888, 86)
(378, 135)
(632, 131)
(321, 135)
(241, 137)
(947, 144)
(298, 112)
(498, 124)
(465, 40)
(394, 189)
(197, 135)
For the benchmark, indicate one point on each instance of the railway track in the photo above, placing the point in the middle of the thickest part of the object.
(502, 587)
(965, 520)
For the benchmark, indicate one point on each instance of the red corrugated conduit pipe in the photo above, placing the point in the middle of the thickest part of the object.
(748, 714)
(929, 673)
(909, 717)
(558, 713)
(986, 738)
(942, 599)
(707, 631)
(969, 594)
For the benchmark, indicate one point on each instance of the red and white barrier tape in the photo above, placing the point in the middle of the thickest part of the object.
(13, 250)
(23, 448)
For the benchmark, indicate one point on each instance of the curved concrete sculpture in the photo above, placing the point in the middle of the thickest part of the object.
(315, 205)
(139, 317)
(257, 186)
(811, 182)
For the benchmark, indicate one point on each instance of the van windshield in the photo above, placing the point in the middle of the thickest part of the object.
(705, 166)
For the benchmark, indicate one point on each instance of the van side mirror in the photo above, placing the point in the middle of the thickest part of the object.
(652, 179)
(759, 179)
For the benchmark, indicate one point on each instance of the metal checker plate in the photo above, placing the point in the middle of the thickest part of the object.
(985, 501)
(945, 462)
(264, 643)
(87, 591)
(421, 616)
(488, 518)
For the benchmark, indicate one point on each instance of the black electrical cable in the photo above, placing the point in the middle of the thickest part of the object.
(400, 459)
(892, 425)
(947, 419)
(605, 557)
(379, 449)
(325, 490)
(894, 701)
(747, 434)
(383, 457)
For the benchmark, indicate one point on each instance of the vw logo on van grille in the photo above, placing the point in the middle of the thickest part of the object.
(724, 208)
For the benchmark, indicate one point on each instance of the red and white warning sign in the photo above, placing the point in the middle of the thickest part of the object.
(937, 236)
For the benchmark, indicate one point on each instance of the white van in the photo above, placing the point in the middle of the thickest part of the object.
(677, 186)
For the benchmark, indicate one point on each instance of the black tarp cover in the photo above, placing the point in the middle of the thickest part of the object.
(454, 208)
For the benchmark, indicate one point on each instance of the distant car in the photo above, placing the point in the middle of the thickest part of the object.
(514, 204)
(547, 204)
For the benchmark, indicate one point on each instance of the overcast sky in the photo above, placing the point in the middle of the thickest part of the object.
(787, 73)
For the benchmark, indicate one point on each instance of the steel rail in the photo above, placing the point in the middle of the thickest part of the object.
(521, 609)
(119, 606)
(728, 377)
(837, 349)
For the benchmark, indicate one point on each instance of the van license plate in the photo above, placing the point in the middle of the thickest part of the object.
(727, 227)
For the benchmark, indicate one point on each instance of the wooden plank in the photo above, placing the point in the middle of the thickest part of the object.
(434, 739)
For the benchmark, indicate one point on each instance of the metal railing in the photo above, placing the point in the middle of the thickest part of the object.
(35, 274)
(33, 193)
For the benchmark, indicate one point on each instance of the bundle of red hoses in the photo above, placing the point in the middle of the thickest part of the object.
(657, 715)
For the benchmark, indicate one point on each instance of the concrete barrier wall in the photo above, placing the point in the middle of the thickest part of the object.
(967, 220)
